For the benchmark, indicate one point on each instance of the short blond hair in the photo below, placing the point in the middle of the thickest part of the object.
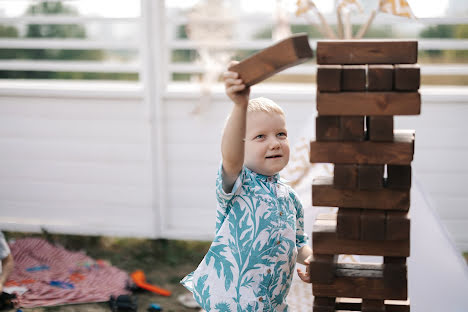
(262, 104)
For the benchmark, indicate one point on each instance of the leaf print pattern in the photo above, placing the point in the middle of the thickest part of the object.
(250, 264)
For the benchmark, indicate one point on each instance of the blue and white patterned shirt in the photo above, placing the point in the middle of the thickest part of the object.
(251, 262)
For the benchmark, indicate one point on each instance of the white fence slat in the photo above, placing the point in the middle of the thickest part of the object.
(72, 66)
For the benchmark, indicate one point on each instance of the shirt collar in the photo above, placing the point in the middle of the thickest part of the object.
(261, 177)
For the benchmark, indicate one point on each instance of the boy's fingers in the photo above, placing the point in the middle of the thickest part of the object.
(230, 81)
(231, 63)
(230, 74)
(236, 88)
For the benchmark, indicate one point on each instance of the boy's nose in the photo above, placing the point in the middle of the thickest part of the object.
(275, 144)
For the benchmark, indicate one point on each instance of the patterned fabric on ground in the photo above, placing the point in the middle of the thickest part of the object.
(56, 276)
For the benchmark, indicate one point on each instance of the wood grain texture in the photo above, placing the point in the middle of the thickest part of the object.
(322, 268)
(345, 176)
(271, 60)
(397, 225)
(369, 103)
(327, 128)
(398, 177)
(407, 77)
(325, 241)
(329, 78)
(326, 195)
(367, 52)
(352, 304)
(352, 128)
(380, 78)
(373, 225)
(348, 223)
(353, 78)
(380, 128)
(399, 152)
(371, 177)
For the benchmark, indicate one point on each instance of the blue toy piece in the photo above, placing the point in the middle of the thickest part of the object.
(153, 307)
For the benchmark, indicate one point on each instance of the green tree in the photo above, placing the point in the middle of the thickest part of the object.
(438, 31)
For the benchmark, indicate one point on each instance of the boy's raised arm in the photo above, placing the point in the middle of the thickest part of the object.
(232, 144)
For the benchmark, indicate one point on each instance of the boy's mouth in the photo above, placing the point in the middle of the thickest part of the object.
(274, 156)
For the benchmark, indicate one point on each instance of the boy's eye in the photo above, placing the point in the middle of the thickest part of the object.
(282, 134)
(260, 136)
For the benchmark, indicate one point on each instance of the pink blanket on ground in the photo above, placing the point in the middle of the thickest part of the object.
(56, 276)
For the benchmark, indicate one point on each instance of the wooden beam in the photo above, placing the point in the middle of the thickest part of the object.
(352, 304)
(324, 304)
(322, 268)
(325, 241)
(367, 52)
(373, 305)
(380, 128)
(327, 128)
(271, 60)
(373, 225)
(348, 223)
(407, 77)
(380, 78)
(329, 78)
(398, 176)
(324, 194)
(352, 128)
(345, 176)
(370, 177)
(397, 225)
(395, 271)
(353, 78)
(369, 103)
(399, 152)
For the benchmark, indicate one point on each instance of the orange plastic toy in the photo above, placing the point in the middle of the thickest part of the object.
(139, 279)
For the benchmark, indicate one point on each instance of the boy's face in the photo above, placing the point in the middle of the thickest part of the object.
(266, 143)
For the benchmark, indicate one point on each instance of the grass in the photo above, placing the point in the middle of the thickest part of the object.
(165, 263)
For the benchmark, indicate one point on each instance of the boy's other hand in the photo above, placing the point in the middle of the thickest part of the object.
(305, 277)
(235, 87)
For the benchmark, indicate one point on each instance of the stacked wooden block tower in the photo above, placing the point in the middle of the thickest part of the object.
(361, 86)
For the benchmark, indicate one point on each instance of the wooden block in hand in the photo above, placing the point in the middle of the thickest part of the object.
(360, 283)
(324, 304)
(348, 223)
(407, 77)
(324, 194)
(380, 128)
(345, 176)
(398, 176)
(329, 78)
(322, 268)
(370, 177)
(380, 78)
(373, 225)
(399, 152)
(353, 78)
(397, 225)
(327, 128)
(271, 60)
(352, 128)
(326, 241)
(368, 103)
(367, 52)
(372, 305)
(395, 272)
(351, 304)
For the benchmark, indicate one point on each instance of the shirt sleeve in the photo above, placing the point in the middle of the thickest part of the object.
(223, 198)
(4, 249)
(301, 237)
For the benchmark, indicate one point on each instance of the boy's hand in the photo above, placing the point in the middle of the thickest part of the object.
(235, 88)
(305, 277)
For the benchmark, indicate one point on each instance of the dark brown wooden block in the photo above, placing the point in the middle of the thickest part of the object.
(271, 60)
(372, 225)
(345, 176)
(397, 225)
(398, 152)
(353, 78)
(407, 77)
(367, 52)
(324, 194)
(352, 128)
(352, 304)
(369, 103)
(329, 78)
(322, 268)
(380, 128)
(372, 305)
(370, 177)
(395, 271)
(324, 304)
(355, 286)
(348, 223)
(398, 176)
(327, 128)
(380, 78)
(325, 241)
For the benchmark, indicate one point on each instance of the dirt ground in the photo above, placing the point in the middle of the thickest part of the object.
(165, 263)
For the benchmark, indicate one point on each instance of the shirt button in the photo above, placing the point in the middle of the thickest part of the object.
(260, 299)
(278, 242)
(268, 271)
(281, 213)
